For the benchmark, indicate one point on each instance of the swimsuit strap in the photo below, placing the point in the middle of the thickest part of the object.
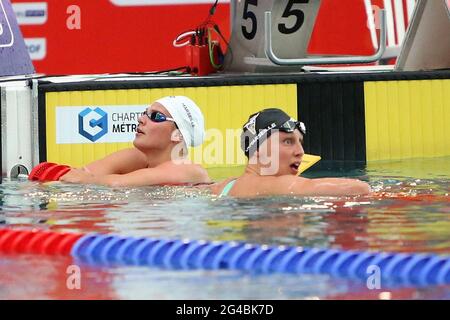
(227, 188)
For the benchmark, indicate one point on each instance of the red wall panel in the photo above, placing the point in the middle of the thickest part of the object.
(116, 39)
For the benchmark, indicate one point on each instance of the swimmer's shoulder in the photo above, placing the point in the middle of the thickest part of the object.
(217, 187)
(250, 185)
(258, 185)
(272, 185)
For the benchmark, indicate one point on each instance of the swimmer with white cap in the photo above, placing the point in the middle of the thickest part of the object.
(166, 129)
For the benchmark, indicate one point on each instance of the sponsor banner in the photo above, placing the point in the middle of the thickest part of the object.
(37, 48)
(14, 58)
(124, 3)
(82, 28)
(84, 123)
(97, 124)
(31, 13)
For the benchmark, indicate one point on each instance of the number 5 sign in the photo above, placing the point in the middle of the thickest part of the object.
(292, 25)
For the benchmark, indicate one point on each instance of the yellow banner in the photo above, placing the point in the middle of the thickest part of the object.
(225, 108)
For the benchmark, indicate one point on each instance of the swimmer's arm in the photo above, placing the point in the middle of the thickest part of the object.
(324, 186)
(163, 174)
(120, 162)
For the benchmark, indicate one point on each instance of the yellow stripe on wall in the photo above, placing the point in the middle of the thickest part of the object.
(224, 107)
(407, 119)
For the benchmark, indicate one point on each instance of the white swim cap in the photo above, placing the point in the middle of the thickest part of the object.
(187, 116)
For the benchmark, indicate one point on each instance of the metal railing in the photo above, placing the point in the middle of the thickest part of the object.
(324, 60)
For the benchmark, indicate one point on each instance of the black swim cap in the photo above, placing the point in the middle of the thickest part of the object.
(260, 125)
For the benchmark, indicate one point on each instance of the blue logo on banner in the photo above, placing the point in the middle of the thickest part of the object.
(93, 124)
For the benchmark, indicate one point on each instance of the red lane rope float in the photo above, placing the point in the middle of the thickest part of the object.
(18, 244)
(6, 238)
(38, 170)
(64, 246)
(48, 171)
(36, 241)
(54, 173)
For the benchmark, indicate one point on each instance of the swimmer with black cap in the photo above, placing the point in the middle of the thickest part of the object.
(273, 143)
(166, 129)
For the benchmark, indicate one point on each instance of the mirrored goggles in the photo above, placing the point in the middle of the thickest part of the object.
(157, 116)
(291, 125)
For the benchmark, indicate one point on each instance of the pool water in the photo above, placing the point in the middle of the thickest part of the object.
(416, 221)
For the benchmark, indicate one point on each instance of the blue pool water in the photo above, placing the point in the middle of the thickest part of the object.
(419, 222)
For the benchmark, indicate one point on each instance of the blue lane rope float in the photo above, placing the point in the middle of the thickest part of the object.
(100, 249)
(405, 268)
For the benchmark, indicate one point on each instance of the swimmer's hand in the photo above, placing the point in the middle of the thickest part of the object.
(78, 176)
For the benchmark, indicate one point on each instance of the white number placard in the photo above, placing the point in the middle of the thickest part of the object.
(292, 25)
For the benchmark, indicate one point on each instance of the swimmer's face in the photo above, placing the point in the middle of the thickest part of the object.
(281, 154)
(154, 135)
